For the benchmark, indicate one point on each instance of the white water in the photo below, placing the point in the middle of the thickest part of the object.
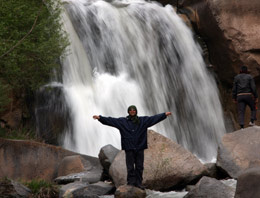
(140, 53)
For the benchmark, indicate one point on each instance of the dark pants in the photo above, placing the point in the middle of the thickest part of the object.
(135, 167)
(242, 101)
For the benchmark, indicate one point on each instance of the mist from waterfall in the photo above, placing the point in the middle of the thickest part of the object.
(141, 53)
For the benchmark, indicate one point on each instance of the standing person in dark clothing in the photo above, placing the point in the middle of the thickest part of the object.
(133, 130)
(244, 93)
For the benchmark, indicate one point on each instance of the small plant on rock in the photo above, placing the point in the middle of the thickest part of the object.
(42, 189)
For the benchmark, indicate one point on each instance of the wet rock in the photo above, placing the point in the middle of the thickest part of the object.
(239, 151)
(91, 176)
(248, 184)
(210, 188)
(166, 165)
(129, 192)
(52, 114)
(212, 170)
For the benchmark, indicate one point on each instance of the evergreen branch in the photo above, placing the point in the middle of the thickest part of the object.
(30, 31)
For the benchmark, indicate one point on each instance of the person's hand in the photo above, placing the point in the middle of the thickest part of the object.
(234, 101)
(96, 117)
(256, 100)
(168, 113)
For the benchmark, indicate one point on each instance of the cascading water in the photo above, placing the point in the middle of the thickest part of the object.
(136, 52)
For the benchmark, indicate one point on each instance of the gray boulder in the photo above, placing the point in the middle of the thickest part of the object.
(68, 189)
(248, 184)
(106, 156)
(239, 151)
(79, 168)
(210, 188)
(84, 190)
(166, 165)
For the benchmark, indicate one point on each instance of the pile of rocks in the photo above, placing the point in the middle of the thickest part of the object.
(168, 166)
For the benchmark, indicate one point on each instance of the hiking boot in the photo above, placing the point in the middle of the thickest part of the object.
(251, 124)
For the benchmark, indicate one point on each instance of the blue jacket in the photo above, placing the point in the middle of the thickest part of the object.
(133, 136)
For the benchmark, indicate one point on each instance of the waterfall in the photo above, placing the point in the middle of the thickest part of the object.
(141, 53)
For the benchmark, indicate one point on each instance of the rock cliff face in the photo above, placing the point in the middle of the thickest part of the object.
(231, 31)
(230, 34)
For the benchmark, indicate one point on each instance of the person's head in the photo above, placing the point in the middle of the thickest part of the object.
(243, 69)
(132, 110)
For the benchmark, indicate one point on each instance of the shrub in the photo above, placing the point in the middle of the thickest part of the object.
(32, 41)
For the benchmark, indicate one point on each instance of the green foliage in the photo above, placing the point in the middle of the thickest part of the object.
(18, 134)
(31, 40)
(41, 188)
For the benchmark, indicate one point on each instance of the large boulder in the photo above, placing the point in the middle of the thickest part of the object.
(166, 165)
(248, 184)
(210, 188)
(27, 160)
(239, 151)
(231, 31)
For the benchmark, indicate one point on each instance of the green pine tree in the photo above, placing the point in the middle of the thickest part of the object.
(31, 40)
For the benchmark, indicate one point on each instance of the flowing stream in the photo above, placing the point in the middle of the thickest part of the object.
(141, 53)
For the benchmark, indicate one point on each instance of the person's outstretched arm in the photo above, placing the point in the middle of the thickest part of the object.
(96, 117)
(114, 122)
(152, 120)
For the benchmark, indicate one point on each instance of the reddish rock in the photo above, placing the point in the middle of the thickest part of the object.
(28, 160)
(239, 151)
(71, 164)
(231, 30)
(126, 191)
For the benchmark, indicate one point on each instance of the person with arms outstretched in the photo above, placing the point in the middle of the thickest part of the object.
(133, 130)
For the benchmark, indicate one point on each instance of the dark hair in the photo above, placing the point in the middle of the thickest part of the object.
(132, 107)
(243, 69)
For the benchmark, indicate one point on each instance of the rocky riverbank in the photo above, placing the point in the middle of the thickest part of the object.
(168, 166)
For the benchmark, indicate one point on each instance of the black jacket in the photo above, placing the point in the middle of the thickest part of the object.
(243, 83)
(133, 136)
